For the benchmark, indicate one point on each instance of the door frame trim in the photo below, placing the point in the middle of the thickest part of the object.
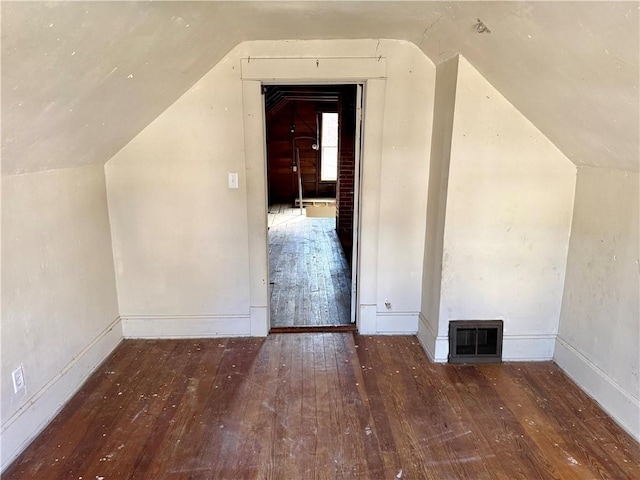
(372, 74)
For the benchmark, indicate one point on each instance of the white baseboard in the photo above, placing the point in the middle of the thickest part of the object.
(372, 322)
(367, 323)
(400, 323)
(528, 348)
(259, 321)
(22, 427)
(186, 326)
(623, 407)
(436, 348)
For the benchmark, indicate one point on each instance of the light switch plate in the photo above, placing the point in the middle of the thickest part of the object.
(233, 180)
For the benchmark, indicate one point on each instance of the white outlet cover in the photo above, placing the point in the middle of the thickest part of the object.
(18, 379)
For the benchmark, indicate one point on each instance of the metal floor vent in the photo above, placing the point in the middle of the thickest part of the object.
(475, 341)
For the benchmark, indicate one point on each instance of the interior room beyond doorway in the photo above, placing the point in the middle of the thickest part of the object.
(310, 137)
(310, 280)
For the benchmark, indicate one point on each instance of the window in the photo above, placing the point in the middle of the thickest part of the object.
(329, 153)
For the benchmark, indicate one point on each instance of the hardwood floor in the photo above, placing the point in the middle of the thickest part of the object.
(309, 274)
(330, 405)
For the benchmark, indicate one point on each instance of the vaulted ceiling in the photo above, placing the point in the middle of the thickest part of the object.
(81, 79)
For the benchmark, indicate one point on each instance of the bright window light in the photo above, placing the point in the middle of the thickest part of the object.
(329, 153)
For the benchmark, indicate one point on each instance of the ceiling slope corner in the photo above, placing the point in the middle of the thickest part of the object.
(466, 70)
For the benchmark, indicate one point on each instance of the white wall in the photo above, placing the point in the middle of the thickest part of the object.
(179, 234)
(508, 217)
(59, 304)
(599, 337)
(404, 180)
(182, 239)
(444, 106)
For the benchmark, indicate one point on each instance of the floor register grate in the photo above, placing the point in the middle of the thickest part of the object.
(475, 341)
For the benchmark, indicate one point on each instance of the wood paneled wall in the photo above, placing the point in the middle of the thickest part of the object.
(283, 180)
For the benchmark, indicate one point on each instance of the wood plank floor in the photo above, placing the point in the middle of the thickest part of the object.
(309, 274)
(326, 405)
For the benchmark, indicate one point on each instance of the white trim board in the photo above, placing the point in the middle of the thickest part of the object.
(186, 326)
(372, 322)
(27, 423)
(622, 406)
(528, 348)
(313, 68)
(370, 70)
(397, 323)
(260, 321)
(436, 348)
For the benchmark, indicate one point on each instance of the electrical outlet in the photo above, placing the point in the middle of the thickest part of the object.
(18, 379)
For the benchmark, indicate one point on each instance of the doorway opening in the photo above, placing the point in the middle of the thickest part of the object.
(312, 145)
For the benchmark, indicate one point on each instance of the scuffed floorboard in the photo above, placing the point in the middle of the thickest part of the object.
(323, 405)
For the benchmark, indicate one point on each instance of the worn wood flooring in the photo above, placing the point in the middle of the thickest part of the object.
(324, 405)
(310, 278)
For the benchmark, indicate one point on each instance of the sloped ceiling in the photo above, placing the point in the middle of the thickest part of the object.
(81, 79)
